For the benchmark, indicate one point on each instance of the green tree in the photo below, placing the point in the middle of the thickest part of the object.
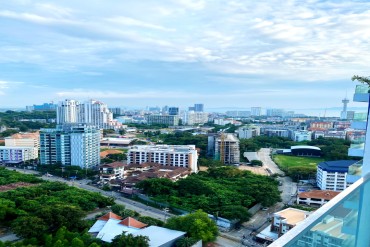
(186, 242)
(256, 163)
(129, 240)
(29, 226)
(198, 226)
(76, 242)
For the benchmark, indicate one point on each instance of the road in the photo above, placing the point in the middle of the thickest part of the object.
(264, 155)
(141, 208)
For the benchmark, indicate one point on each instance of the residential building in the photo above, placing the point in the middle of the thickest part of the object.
(299, 136)
(24, 140)
(226, 148)
(277, 132)
(15, 155)
(248, 132)
(282, 222)
(111, 171)
(196, 118)
(116, 110)
(256, 111)
(332, 175)
(70, 145)
(316, 197)
(173, 111)
(170, 120)
(167, 155)
(314, 126)
(225, 121)
(90, 112)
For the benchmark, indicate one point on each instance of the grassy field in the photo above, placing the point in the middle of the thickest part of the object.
(298, 167)
(285, 161)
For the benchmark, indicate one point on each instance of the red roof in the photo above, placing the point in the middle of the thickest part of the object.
(110, 215)
(319, 194)
(131, 222)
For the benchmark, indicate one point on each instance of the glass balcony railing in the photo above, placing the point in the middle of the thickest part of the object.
(357, 145)
(342, 222)
(362, 89)
(358, 140)
(355, 169)
(361, 116)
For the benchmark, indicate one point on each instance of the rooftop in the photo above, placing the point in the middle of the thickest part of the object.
(159, 236)
(292, 215)
(320, 194)
(336, 166)
(163, 148)
(304, 147)
(114, 164)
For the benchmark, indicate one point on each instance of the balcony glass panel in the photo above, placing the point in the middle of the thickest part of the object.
(342, 222)
(362, 89)
(357, 146)
(355, 169)
(359, 140)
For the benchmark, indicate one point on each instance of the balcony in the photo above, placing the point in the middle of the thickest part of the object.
(356, 150)
(359, 121)
(361, 93)
(342, 222)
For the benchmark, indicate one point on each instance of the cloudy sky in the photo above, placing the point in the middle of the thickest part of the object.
(288, 54)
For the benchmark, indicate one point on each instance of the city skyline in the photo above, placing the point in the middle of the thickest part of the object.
(182, 52)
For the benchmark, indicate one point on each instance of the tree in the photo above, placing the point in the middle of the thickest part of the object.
(76, 242)
(130, 240)
(362, 79)
(186, 242)
(29, 226)
(198, 226)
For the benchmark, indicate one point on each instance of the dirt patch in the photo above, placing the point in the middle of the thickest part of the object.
(254, 169)
(14, 186)
(203, 168)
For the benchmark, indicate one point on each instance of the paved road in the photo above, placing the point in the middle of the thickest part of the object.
(264, 154)
(141, 208)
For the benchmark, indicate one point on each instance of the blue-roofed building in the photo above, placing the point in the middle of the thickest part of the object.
(332, 175)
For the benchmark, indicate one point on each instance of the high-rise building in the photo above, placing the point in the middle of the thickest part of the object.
(226, 148)
(256, 111)
(172, 111)
(198, 107)
(196, 118)
(274, 112)
(67, 111)
(91, 112)
(167, 155)
(163, 119)
(77, 145)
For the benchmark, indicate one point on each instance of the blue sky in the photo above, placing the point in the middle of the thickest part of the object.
(286, 54)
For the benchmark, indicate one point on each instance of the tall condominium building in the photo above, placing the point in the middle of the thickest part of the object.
(173, 111)
(171, 120)
(167, 155)
(226, 148)
(196, 117)
(77, 145)
(24, 140)
(275, 112)
(256, 111)
(90, 112)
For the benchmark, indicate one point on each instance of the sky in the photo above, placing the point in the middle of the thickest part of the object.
(282, 54)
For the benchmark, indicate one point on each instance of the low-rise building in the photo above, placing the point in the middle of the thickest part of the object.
(316, 197)
(15, 155)
(299, 136)
(24, 140)
(332, 175)
(115, 170)
(281, 223)
(167, 155)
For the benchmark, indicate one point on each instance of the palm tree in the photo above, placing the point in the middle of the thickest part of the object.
(362, 79)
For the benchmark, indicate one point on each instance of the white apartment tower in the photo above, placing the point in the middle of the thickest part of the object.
(91, 112)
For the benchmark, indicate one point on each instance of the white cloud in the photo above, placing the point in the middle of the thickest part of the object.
(127, 21)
